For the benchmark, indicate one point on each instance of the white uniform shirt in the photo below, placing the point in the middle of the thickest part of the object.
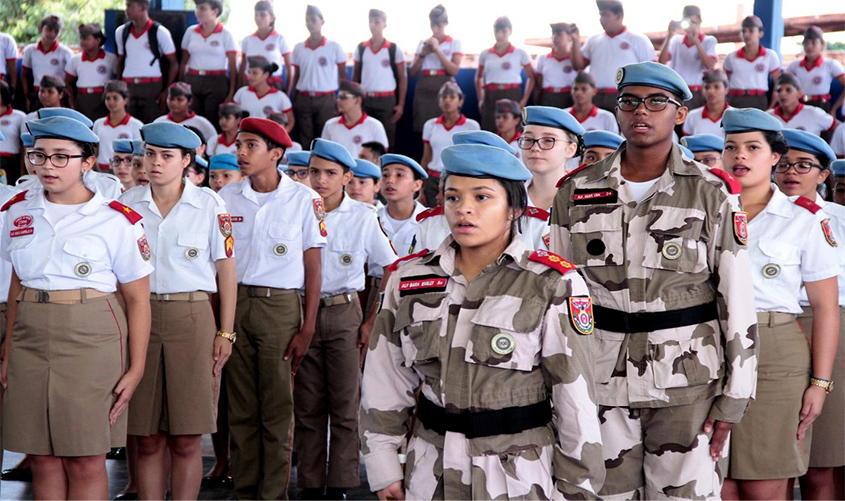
(503, 68)
(194, 120)
(754, 74)
(597, 119)
(271, 239)
(807, 118)
(187, 242)
(273, 47)
(8, 51)
(52, 62)
(218, 145)
(402, 237)
(815, 80)
(96, 239)
(700, 122)
(363, 131)
(129, 128)
(208, 53)
(786, 243)
(275, 101)
(449, 46)
(837, 142)
(685, 59)
(376, 71)
(317, 66)
(10, 125)
(439, 137)
(557, 73)
(837, 223)
(6, 192)
(607, 53)
(92, 73)
(138, 53)
(355, 240)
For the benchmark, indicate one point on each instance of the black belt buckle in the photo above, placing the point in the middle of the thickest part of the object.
(42, 297)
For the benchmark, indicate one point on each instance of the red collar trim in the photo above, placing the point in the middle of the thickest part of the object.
(190, 116)
(624, 29)
(593, 112)
(779, 112)
(217, 29)
(322, 43)
(509, 50)
(551, 55)
(9, 111)
(516, 136)
(146, 28)
(704, 113)
(123, 122)
(447, 39)
(385, 45)
(101, 55)
(272, 32)
(51, 49)
(687, 41)
(221, 139)
(806, 65)
(261, 96)
(741, 53)
(461, 120)
(356, 124)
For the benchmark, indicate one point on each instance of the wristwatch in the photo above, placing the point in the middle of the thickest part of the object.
(822, 383)
(231, 336)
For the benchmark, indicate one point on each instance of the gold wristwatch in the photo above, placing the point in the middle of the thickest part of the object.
(822, 383)
(231, 336)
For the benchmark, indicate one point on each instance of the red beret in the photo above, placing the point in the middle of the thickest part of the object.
(268, 129)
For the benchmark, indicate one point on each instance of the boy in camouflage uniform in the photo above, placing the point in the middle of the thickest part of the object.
(670, 274)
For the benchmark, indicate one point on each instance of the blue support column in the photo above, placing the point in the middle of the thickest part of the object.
(172, 4)
(771, 12)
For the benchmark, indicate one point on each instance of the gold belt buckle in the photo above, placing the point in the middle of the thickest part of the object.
(42, 297)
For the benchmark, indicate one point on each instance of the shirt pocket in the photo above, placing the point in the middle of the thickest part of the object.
(418, 321)
(192, 248)
(284, 240)
(597, 236)
(84, 256)
(21, 252)
(347, 255)
(673, 241)
(780, 258)
(506, 333)
(690, 362)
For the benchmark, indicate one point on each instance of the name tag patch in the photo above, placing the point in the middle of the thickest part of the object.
(422, 285)
(237, 219)
(21, 232)
(590, 197)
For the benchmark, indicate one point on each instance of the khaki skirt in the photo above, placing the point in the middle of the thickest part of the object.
(426, 106)
(178, 393)
(764, 445)
(64, 364)
(828, 446)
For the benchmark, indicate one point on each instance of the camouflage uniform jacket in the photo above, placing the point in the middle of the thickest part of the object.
(681, 246)
(437, 339)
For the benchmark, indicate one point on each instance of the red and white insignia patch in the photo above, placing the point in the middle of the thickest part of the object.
(319, 210)
(24, 221)
(323, 231)
(547, 240)
(224, 221)
(741, 227)
(581, 314)
(828, 233)
(144, 247)
(230, 246)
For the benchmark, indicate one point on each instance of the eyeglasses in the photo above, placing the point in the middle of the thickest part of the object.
(545, 143)
(294, 173)
(709, 161)
(59, 160)
(344, 96)
(800, 167)
(116, 161)
(655, 102)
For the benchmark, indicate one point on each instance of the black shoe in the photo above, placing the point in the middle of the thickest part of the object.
(17, 474)
(311, 494)
(118, 453)
(126, 496)
(217, 481)
(335, 493)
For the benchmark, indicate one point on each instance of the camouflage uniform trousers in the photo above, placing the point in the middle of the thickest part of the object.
(660, 453)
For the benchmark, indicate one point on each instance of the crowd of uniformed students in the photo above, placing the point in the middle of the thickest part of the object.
(160, 200)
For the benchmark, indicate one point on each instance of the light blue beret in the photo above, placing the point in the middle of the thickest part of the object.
(365, 168)
(478, 160)
(651, 74)
(393, 158)
(686, 151)
(224, 161)
(65, 112)
(61, 128)
(804, 141)
(122, 145)
(298, 158)
(27, 140)
(838, 167)
(137, 147)
(703, 142)
(169, 135)
(602, 139)
(736, 120)
(482, 137)
(333, 152)
(201, 162)
(551, 117)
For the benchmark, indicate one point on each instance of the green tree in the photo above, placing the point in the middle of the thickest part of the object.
(20, 17)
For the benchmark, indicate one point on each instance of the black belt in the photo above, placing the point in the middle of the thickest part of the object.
(619, 321)
(484, 423)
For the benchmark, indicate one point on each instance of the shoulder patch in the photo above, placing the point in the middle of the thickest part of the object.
(434, 211)
(130, 214)
(19, 197)
(828, 233)
(570, 174)
(395, 266)
(807, 204)
(551, 260)
(537, 212)
(734, 188)
(319, 211)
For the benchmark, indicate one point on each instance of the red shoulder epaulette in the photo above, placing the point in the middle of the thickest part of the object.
(733, 185)
(434, 211)
(130, 214)
(551, 260)
(570, 174)
(537, 212)
(395, 266)
(808, 204)
(20, 197)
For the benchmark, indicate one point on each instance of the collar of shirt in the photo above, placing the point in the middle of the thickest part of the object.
(272, 32)
(146, 28)
(190, 195)
(741, 54)
(779, 205)
(689, 42)
(593, 112)
(346, 204)
(706, 115)
(285, 184)
(39, 201)
(322, 43)
(100, 55)
(510, 49)
(217, 29)
(446, 255)
(807, 66)
(356, 124)
(51, 49)
(384, 45)
(624, 29)
(190, 116)
(779, 112)
(260, 96)
(9, 111)
(461, 120)
(122, 122)
(551, 55)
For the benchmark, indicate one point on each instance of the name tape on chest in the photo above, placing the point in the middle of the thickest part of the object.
(592, 197)
(422, 284)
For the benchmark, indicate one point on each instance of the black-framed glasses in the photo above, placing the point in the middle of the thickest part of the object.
(297, 173)
(545, 143)
(800, 167)
(654, 102)
(116, 161)
(59, 160)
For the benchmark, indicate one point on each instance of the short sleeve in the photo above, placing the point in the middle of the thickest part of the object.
(379, 250)
(524, 58)
(118, 39)
(774, 61)
(5, 239)
(243, 46)
(27, 57)
(295, 55)
(645, 50)
(482, 58)
(284, 103)
(229, 42)
(128, 262)
(339, 54)
(836, 69)
(239, 95)
(400, 56)
(381, 135)
(540, 64)
(688, 125)
(428, 127)
(819, 260)
(355, 54)
(165, 41)
(473, 125)
(313, 227)
(837, 142)
(70, 68)
(186, 39)
(219, 234)
(11, 52)
(456, 47)
(587, 49)
(283, 46)
(326, 132)
(728, 64)
(710, 46)
(420, 47)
